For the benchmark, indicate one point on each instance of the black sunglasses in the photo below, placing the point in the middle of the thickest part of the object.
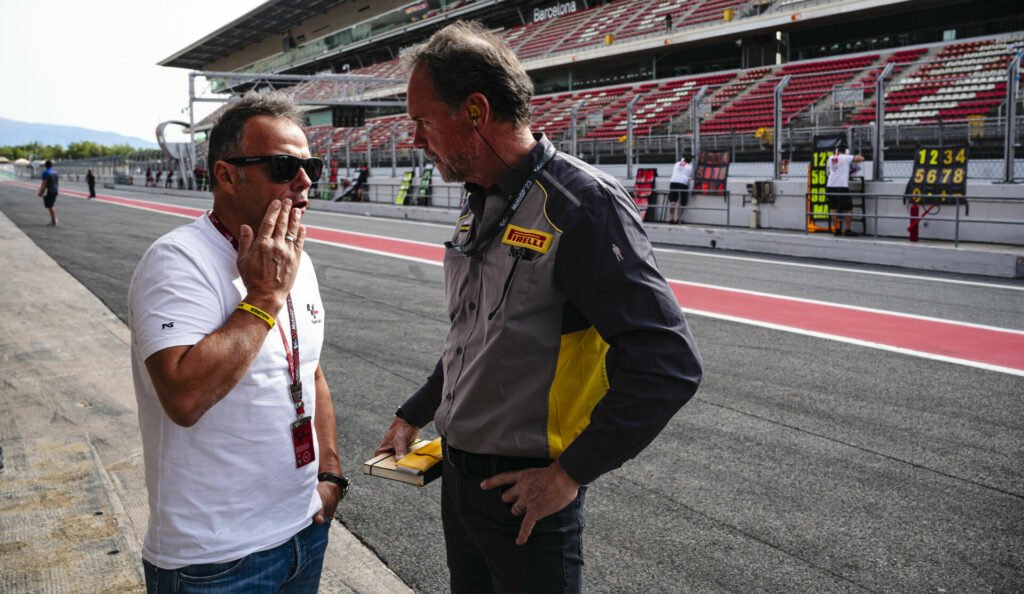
(284, 168)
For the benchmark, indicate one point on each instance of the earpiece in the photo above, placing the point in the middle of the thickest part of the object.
(474, 113)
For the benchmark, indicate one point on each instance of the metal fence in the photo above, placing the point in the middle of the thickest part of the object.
(128, 170)
(660, 121)
(871, 212)
(970, 96)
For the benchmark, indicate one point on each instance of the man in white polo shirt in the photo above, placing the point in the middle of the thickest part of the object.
(227, 325)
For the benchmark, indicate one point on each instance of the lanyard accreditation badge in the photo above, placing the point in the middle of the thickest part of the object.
(302, 426)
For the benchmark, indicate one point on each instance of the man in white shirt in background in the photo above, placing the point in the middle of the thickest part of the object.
(227, 325)
(838, 189)
(679, 188)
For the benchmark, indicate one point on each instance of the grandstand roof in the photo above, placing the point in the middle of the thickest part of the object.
(270, 18)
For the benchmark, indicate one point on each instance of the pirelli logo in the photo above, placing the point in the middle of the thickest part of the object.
(531, 239)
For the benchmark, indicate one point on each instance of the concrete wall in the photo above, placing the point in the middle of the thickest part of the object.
(985, 220)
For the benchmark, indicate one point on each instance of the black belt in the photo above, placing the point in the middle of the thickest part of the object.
(487, 465)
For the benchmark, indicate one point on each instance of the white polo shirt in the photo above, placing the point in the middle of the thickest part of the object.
(227, 486)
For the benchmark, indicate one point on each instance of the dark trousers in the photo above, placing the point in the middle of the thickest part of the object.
(480, 532)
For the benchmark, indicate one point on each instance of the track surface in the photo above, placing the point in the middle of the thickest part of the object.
(859, 429)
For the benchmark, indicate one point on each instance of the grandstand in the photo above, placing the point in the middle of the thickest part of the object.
(610, 71)
(933, 82)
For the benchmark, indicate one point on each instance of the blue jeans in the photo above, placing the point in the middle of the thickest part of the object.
(291, 567)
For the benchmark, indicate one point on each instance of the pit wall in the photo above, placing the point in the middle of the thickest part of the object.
(997, 217)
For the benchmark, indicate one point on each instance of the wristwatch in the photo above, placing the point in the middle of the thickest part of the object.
(337, 479)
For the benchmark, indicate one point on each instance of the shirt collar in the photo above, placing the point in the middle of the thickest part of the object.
(508, 184)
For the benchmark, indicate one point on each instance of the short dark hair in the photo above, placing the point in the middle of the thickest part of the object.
(48, 164)
(465, 58)
(226, 134)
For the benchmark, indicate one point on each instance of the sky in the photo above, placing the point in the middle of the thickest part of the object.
(93, 63)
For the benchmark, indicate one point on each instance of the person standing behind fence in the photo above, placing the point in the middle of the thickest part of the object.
(48, 191)
(91, 180)
(679, 189)
(838, 189)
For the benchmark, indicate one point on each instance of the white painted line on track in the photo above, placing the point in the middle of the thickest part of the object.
(850, 307)
(843, 269)
(372, 251)
(382, 219)
(858, 342)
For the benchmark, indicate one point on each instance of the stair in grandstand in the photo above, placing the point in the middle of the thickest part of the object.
(659, 105)
(822, 110)
(647, 22)
(954, 83)
(810, 82)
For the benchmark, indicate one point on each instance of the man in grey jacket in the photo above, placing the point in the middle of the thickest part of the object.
(567, 352)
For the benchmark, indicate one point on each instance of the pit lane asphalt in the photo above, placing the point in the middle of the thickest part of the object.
(803, 464)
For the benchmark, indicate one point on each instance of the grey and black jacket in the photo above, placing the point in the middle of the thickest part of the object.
(566, 342)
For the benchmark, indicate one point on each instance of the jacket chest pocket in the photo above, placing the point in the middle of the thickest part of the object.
(517, 284)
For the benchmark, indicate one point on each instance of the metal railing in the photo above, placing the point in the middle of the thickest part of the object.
(959, 204)
(799, 109)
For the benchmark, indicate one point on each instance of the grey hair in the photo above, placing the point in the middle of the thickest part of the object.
(226, 134)
(465, 58)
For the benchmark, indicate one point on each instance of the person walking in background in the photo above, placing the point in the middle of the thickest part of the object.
(838, 189)
(149, 176)
(48, 191)
(90, 179)
(239, 438)
(679, 188)
(567, 351)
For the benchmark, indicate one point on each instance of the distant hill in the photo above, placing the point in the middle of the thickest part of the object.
(15, 133)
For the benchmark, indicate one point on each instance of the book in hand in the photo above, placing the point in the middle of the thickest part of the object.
(420, 466)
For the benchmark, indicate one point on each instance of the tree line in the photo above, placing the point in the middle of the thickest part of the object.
(85, 149)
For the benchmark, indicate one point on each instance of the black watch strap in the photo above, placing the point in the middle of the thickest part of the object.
(337, 479)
